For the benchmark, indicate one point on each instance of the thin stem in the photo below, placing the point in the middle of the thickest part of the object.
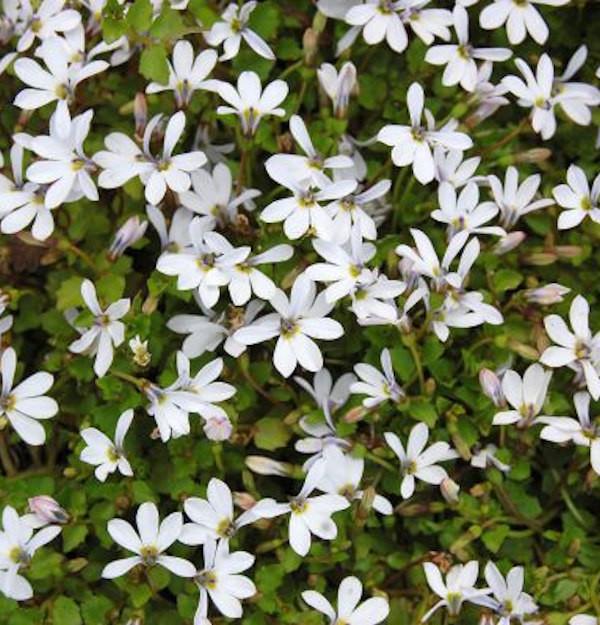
(137, 382)
(7, 464)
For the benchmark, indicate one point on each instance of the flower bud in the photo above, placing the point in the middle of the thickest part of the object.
(535, 155)
(545, 295)
(141, 355)
(568, 251)
(218, 428)
(508, 243)
(267, 466)
(245, 501)
(47, 510)
(449, 489)
(492, 387)
(310, 45)
(541, 259)
(128, 234)
(140, 114)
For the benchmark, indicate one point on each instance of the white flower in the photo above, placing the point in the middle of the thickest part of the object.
(336, 9)
(206, 332)
(308, 515)
(526, 396)
(581, 431)
(379, 20)
(304, 169)
(232, 28)
(220, 580)
(577, 348)
(343, 475)
(577, 198)
(338, 86)
(378, 387)
(177, 237)
(425, 262)
(250, 102)
(57, 82)
(488, 97)
(450, 167)
(171, 406)
(345, 269)
(536, 93)
(515, 200)
(487, 457)
(583, 619)
(103, 453)
(25, 404)
(213, 195)
(370, 612)
(577, 98)
(215, 153)
(23, 202)
(245, 278)
(413, 144)
(508, 599)
(303, 210)
(18, 544)
(168, 171)
(460, 58)
(212, 518)
(204, 264)
(186, 74)
(463, 212)
(521, 17)
(459, 586)
(296, 322)
(418, 462)
(375, 298)
(64, 165)
(45, 22)
(149, 543)
(106, 331)
(348, 146)
(328, 397)
(427, 23)
(353, 210)
(124, 160)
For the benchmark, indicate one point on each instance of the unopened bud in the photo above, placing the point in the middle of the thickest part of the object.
(128, 234)
(218, 428)
(245, 501)
(140, 114)
(310, 45)
(535, 155)
(267, 466)
(47, 510)
(492, 387)
(141, 355)
(568, 251)
(449, 489)
(541, 259)
(545, 295)
(523, 350)
(509, 242)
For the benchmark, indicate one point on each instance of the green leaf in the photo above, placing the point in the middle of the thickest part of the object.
(139, 16)
(95, 610)
(73, 535)
(494, 537)
(153, 64)
(65, 612)
(507, 279)
(168, 25)
(271, 433)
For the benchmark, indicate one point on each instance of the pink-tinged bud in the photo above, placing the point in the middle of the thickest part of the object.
(541, 259)
(47, 510)
(568, 251)
(310, 45)
(545, 295)
(140, 114)
(449, 489)
(245, 501)
(128, 234)
(535, 155)
(218, 428)
(509, 242)
(492, 387)
(267, 466)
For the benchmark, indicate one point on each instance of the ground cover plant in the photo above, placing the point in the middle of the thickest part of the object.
(299, 312)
